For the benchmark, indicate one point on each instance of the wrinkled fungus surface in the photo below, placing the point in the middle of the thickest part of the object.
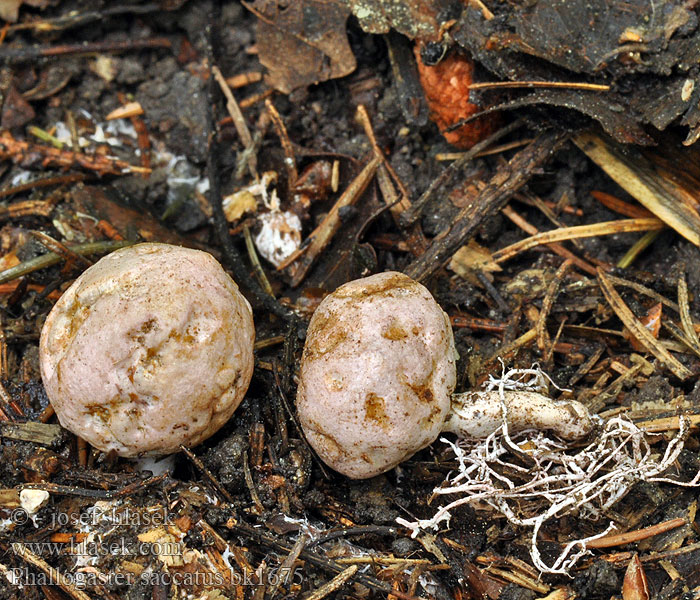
(150, 348)
(377, 373)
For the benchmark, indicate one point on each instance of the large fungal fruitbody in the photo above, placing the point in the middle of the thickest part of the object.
(150, 348)
(377, 379)
(377, 374)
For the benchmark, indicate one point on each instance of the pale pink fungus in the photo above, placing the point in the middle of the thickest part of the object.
(150, 348)
(377, 377)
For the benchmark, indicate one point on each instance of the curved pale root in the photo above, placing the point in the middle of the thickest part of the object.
(478, 414)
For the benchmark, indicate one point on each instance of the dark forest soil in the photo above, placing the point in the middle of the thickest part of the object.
(248, 492)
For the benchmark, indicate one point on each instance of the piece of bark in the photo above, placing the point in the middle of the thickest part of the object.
(492, 198)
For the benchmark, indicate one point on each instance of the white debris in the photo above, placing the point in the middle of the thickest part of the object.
(32, 500)
(117, 127)
(279, 236)
(5, 524)
(157, 466)
(12, 575)
(21, 178)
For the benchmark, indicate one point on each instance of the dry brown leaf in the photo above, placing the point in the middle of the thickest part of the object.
(303, 42)
(470, 258)
(652, 321)
(634, 586)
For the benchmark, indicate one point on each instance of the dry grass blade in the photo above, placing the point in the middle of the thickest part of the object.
(636, 175)
(668, 423)
(638, 330)
(333, 585)
(629, 537)
(530, 583)
(556, 248)
(686, 319)
(238, 119)
(638, 287)
(52, 574)
(579, 231)
(486, 85)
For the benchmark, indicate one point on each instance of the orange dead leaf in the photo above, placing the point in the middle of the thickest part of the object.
(634, 586)
(446, 88)
(652, 321)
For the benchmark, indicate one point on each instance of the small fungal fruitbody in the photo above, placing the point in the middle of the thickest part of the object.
(377, 376)
(150, 348)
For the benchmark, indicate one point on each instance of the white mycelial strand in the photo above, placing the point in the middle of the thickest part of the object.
(586, 482)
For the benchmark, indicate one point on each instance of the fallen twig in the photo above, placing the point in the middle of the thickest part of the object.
(20, 151)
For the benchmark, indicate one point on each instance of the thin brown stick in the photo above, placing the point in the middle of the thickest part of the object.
(322, 235)
(46, 414)
(207, 474)
(668, 423)
(10, 54)
(82, 451)
(243, 79)
(238, 120)
(486, 13)
(255, 261)
(51, 258)
(19, 150)
(43, 182)
(504, 183)
(556, 248)
(61, 249)
(619, 539)
(505, 351)
(548, 302)
(633, 211)
(54, 575)
(127, 110)
(287, 564)
(443, 156)
(290, 161)
(450, 173)
(249, 101)
(645, 291)
(39, 208)
(686, 319)
(334, 584)
(397, 204)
